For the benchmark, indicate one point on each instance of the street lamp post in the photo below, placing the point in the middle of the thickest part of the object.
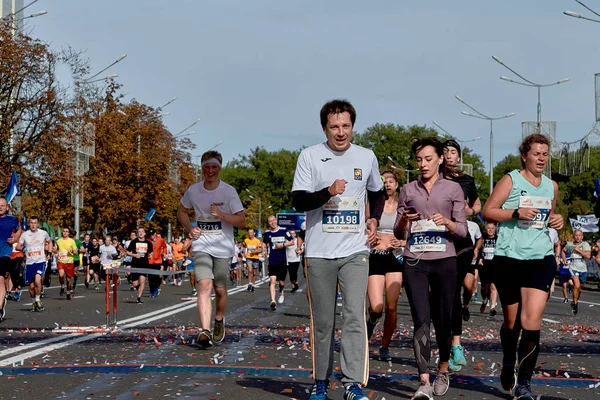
(461, 142)
(576, 15)
(527, 82)
(179, 134)
(491, 120)
(255, 197)
(406, 171)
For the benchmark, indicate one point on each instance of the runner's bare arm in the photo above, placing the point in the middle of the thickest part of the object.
(238, 219)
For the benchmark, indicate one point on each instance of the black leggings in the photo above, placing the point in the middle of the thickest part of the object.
(426, 306)
(154, 281)
(293, 270)
(464, 266)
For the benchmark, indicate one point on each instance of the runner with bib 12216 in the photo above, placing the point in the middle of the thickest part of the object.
(542, 204)
(427, 236)
(341, 214)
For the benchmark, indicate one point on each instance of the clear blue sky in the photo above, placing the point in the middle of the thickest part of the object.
(258, 71)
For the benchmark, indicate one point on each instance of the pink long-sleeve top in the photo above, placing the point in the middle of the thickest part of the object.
(447, 198)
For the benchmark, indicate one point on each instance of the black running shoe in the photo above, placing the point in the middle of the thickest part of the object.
(62, 291)
(204, 339)
(466, 314)
(574, 308)
(508, 378)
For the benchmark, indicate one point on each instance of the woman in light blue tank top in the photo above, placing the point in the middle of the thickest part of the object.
(523, 203)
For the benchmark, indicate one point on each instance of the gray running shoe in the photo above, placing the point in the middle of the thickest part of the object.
(424, 392)
(219, 331)
(441, 384)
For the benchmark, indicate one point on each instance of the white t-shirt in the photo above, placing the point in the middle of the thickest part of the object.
(553, 235)
(236, 251)
(217, 235)
(474, 231)
(290, 252)
(338, 228)
(34, 246)
(106, 254)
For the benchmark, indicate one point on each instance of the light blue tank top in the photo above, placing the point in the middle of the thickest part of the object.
(526, 240)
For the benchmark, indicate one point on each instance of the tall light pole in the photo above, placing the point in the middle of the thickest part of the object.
(461, 142)
(255, 197)
(179, 134)
(576, 15)
(118, 60)
(527, 82)
(406, 171)
(82, 153)
(491, 120)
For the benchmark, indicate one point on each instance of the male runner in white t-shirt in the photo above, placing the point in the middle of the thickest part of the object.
(34, 244)
(217, 209)
(331, 183)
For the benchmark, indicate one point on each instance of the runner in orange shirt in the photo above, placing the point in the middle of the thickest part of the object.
(159, 249)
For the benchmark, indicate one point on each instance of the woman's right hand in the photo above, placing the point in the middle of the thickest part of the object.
(410, 217)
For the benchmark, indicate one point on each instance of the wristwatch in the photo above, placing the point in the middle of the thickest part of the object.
(515, 214)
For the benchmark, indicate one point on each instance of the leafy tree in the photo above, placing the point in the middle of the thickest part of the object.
(268, 176)
(394, 141)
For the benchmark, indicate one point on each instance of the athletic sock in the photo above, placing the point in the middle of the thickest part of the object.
(509, 339)
(529, 348)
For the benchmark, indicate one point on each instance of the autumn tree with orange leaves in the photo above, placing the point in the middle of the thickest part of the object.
(40, 120)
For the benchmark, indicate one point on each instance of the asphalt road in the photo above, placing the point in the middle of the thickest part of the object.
(265, 355)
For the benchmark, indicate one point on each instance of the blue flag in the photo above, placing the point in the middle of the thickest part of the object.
(597, 185)
(24, 221)
(150, 214)
(13, 187)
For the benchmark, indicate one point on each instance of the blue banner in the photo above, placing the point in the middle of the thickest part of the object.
(150, 214)
(291, 220)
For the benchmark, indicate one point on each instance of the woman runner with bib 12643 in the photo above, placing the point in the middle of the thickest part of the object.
(523, 203)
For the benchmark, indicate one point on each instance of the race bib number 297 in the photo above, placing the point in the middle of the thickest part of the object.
(543, 204)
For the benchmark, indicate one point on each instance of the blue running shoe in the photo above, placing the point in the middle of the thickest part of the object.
(319, 390)
(17, 295)
(458, 355)
(354, 392)
(523, 392)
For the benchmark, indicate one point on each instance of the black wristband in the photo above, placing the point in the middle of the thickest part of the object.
(515, 214)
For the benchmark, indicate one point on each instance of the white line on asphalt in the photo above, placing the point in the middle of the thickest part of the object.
(17, 349)
(78, 338)
(550, 321)
(20, 357)
(580, 301)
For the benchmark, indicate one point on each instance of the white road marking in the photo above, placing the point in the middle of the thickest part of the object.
(78, 337)
(550, 321)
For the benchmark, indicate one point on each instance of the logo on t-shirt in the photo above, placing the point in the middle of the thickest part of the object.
(357, 174)
(325, 159)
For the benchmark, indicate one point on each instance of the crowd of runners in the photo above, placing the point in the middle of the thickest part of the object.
(366, 239)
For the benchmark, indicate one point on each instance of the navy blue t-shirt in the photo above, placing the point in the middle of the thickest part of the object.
(277, 256)
(8, 223)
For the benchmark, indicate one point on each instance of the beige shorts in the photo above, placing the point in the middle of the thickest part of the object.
(209, 267)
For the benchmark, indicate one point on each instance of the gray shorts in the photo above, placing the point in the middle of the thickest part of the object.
(209, 267)
(253, 262)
